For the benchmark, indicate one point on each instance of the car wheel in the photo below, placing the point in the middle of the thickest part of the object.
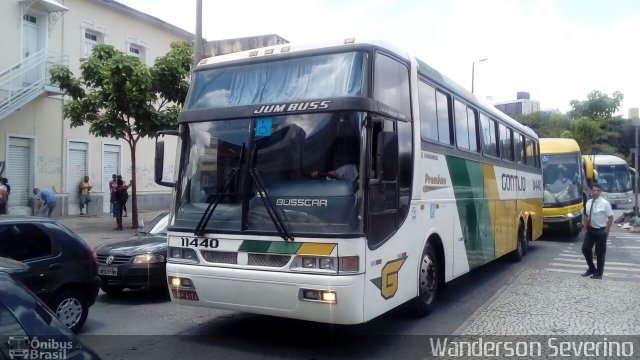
(70, 306)
(111, 290)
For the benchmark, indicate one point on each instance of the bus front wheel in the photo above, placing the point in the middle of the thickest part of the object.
(428, 282)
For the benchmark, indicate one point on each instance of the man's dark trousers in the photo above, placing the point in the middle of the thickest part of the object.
(599, 238)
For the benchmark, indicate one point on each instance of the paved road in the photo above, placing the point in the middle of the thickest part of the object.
(542, 295)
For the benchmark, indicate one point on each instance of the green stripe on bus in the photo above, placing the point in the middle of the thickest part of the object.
(473, 210)
(254, 246)
(269, 247)
(281, 247)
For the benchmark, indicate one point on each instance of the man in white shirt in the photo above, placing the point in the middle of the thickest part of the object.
(598, 218)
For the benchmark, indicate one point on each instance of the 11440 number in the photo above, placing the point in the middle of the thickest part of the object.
(199, 243)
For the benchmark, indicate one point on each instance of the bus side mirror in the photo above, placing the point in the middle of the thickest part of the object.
(159, 158)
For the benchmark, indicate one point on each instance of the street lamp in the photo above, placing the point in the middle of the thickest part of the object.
(635, 122)
(473, 72)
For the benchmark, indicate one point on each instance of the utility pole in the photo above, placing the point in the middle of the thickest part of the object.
(634, 116)
(473, 72)
(197, 51)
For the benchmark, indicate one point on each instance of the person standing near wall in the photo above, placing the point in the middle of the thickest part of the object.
(4, 198)
(85, 199)
(112, 186)
(119, 199)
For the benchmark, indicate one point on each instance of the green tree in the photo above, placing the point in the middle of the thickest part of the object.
(548, 123)
(594, 127)
(119, 97)
(584, 131)
(598, 106)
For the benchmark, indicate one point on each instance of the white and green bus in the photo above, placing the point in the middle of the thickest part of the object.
(333, 183)
(615, 177)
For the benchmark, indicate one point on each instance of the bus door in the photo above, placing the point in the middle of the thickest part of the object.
(382, 192)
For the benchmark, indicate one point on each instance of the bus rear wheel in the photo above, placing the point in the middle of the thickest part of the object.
(428, 282)
(522, 245)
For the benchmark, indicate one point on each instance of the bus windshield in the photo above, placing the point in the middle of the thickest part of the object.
(614, 178)
(309, 166)
(312, 77)
(562, 179)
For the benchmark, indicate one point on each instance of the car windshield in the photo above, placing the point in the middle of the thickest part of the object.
(157, 226)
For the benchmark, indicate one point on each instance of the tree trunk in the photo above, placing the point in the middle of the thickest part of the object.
(134, 198)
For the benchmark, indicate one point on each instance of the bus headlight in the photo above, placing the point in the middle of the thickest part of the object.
(182, 255)
(309, 262)
(327, 264)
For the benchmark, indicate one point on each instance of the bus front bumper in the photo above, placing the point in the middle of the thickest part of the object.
(270, 292)
(571, 223)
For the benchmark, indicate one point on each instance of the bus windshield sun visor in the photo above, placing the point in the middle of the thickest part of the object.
(215, 199)
(271, 210)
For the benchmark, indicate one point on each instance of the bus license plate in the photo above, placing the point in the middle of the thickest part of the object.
(184, 294)
(108, 270)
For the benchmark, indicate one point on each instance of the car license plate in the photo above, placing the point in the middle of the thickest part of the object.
(184, 294)
(108, 270)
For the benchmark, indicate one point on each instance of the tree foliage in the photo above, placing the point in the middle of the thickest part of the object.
(119, 97)
(546, 123)
(598, 106)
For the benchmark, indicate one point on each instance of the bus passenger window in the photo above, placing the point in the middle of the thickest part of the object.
(428, 112)
(444, 119)
(473, 130)
(462, 130)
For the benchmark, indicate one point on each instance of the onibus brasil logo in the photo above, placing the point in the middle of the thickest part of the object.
(23, 347)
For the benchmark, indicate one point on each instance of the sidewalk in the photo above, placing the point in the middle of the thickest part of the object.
(98, 229)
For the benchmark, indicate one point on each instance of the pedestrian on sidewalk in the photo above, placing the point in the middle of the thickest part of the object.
(598, 220)
(126, 196)
(112, 187)
(45, 202)
(85, 199)
(119, 196)
(4, 198)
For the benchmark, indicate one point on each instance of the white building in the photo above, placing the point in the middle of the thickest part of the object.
(522, 106)
(37, 146)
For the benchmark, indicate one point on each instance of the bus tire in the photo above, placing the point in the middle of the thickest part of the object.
(428, 282)
(520, 250)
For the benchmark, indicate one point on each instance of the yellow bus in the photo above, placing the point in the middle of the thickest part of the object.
(349, 178)
(564, 185)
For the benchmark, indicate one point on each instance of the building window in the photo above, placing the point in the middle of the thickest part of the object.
(91, 39)
(137, 51)
(30, 18)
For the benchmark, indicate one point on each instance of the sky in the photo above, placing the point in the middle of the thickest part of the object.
(557, 50)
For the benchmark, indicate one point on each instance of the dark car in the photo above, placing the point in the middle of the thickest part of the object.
(28, 328)
(139, 262)
(62, 267)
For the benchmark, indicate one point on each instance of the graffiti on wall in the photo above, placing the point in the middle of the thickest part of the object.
(146, 177)
(50, 164)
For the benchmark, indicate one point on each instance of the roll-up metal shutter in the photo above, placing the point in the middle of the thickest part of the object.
(77, 170)
(20, 170)
(110, 166)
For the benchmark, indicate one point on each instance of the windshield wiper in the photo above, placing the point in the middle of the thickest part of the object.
(271, 209)
(215, 199)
